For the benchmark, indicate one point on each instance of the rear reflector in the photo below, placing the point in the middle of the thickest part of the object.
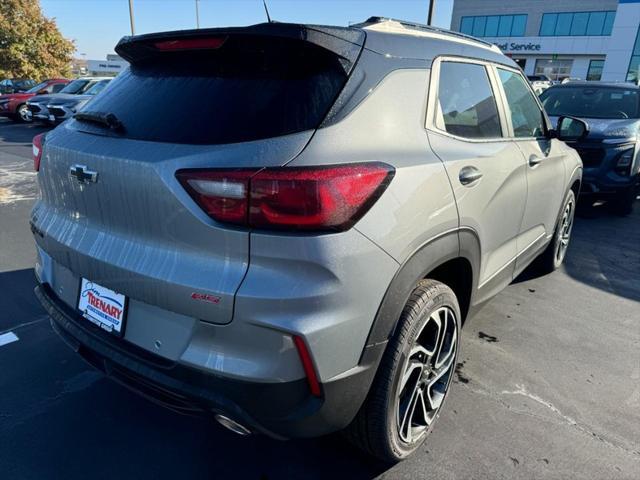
(307, 365)
(37, 150)
(190, 44)
(306, 198)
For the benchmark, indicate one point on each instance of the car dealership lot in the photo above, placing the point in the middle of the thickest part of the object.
(547, 385)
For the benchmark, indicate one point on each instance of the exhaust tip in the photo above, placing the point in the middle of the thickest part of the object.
(232, 425)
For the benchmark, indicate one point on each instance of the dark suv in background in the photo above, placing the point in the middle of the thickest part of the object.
(609, 150)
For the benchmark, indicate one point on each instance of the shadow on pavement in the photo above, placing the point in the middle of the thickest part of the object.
(18, 304)
(604, 251)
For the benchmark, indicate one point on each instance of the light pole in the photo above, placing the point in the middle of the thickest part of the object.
(133, 27)
(197, 14)
(430, 15)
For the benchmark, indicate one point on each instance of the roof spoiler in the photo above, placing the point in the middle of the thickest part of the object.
(344, 42)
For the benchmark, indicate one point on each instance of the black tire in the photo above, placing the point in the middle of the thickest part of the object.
(375, 428)
(623, 203)
(21, 115)
(553, 256)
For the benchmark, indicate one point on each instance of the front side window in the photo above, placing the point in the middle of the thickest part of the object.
(466, 104)
(526, 116)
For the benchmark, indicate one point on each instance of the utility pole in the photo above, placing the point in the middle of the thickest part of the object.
(133, 27)
(430, 15)
(197, 14)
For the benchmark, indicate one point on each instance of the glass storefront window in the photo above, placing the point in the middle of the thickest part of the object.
(577, 24)
(554, 69)
(494, 25)
(595, 70)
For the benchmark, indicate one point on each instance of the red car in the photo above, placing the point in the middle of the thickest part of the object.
(14, 105)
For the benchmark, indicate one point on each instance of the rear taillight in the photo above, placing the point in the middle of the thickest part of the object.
(38, 141)
(304, 198)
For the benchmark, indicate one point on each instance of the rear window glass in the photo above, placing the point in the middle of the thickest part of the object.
(248, 89)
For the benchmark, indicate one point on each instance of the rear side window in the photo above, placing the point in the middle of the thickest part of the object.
(249, 89)
(466, 104)
(526, 116)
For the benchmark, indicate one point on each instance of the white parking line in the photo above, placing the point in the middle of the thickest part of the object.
(7, 338)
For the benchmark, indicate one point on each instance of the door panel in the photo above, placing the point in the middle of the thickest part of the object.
(545, 172)
(492, 206)
(486, 170)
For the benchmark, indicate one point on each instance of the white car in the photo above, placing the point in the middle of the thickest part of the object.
(539, 83)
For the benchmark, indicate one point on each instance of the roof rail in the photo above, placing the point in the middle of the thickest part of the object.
(419, 26)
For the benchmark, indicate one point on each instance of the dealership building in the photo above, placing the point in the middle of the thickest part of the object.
(585, 39)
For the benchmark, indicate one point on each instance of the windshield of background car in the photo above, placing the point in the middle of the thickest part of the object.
(246, 91)
(37, 88)
(97, 88)
(76, 87)
(592, 102)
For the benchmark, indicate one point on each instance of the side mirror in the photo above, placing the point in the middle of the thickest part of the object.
(571, 128)
(42, 91)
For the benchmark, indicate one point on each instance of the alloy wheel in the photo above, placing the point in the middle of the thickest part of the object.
(564, 232)
(24, 113)
(426, 375)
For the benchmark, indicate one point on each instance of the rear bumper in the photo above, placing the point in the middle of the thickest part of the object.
(280, 410)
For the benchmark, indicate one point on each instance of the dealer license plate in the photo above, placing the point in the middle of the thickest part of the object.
(102, 306)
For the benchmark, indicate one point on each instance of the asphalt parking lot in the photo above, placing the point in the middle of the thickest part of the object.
(548, 384)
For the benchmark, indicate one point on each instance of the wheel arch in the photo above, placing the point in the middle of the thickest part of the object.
(452, 258)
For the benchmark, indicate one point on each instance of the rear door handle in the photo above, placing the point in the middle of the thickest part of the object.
(534, 160)
(469, 176)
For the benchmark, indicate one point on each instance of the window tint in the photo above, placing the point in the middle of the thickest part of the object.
(467, 107)
(57, 87)
(519, 25)
(548, 25)
(466, 25)
(608, 23)
(492, 26)
(596, 23)
(577, 23)
(526, 115)
(251, 88)
(504, 28)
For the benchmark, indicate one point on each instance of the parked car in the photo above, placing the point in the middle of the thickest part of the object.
(14, 105)
(16, 85)
(38, 105)
(65, 106)
(609, 150)
(539, 83)
(294, 251)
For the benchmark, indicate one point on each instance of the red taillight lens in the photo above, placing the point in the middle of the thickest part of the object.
(304, 198)
(190, 44)
(38, 141)
(307, 365)
(331, 198)
(221, 194)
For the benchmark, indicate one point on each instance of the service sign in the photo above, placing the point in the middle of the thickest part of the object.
(102, 306)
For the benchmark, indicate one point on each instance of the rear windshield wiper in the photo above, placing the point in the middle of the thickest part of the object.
(101, 118)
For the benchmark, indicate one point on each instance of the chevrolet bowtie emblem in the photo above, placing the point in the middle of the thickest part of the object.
(83, 174)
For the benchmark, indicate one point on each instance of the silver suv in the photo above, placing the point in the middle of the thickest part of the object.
(284, 226)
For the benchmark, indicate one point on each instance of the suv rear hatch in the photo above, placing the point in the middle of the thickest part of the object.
(219, 98)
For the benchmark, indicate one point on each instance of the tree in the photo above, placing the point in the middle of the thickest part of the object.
(31, 46)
